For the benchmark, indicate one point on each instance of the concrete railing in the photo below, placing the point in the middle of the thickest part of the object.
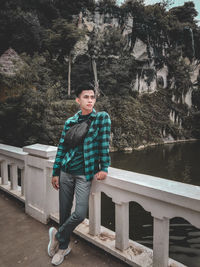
(163, 198)
(12, 162)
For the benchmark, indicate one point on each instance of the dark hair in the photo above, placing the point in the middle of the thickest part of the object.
(84, 86)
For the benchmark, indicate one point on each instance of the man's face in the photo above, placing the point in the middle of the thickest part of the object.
(86, 100)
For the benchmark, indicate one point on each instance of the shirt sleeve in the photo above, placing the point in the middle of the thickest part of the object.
(60, 153)
(104, 139)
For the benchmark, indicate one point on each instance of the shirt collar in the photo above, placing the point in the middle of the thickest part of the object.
(77, 115)
(92, 114)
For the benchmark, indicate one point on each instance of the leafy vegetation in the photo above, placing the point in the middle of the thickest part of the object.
(59, 49)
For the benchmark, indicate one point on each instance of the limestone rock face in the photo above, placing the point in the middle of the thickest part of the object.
(140, 50)
(10, 62)
(150, 76)
(96, 20)
(146, 82)
(194, 72)
(162, 76)
(81, 47)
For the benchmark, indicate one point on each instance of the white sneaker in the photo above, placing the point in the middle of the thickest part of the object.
(59, 256)
(53, 245)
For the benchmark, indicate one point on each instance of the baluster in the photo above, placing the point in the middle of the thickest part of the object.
(122, 225)
(13, 176)
(95, 213)
(4, 172)
(160, 242)
(22, 182)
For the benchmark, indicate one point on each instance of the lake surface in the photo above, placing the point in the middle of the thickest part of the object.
(178, 161)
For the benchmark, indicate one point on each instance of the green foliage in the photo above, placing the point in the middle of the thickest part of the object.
(69, 8)
(185, 13)
(107, 6)
(196, 97)
(179, 73)
(61, 38)
(35, 72)
(155, 17)
(115, 76)
(20, 30)
(133, 6)
(20, 116)
(196, 42)
(192, 124)
(136, 121)
(81, 71)
(45, 32)
(109, 42)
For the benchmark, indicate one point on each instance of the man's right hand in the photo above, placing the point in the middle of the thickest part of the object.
(55, 182)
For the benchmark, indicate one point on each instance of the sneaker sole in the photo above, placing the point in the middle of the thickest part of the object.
(66, 253)
(50, 241)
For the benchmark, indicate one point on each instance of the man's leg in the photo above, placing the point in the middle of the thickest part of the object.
(66, 195)
(82, 191)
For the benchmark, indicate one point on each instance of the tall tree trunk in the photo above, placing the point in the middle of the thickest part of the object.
(69, 74)
(96, 83)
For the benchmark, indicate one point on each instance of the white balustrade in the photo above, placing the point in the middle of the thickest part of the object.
(14, 158)
(164, 199)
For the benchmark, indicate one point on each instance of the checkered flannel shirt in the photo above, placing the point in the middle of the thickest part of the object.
(95, 146)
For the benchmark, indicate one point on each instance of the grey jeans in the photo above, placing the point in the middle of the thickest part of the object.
(70, 185)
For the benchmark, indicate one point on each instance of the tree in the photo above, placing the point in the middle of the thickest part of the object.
(60, 41)
(69, 8)
(134, 9)
(108, 3)
(20, 30)
(102, 46)
(185, 13)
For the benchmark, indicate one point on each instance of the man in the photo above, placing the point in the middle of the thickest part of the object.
(75, 168)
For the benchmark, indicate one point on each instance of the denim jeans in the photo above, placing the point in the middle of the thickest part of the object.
(70, 185)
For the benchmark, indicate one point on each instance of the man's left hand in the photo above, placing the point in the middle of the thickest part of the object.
(100, 175)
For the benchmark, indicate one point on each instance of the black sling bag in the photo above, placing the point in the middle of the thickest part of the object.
(76, 134)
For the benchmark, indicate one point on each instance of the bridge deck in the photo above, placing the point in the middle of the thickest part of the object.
(24, 241)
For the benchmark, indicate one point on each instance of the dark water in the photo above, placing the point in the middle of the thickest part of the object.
(180, 162)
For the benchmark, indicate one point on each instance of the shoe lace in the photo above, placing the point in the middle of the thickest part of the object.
(61, 251)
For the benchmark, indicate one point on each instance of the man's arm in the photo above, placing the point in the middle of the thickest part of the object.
(104, 141)
(58, 159)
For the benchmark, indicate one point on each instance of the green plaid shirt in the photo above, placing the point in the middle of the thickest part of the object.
(95, 146)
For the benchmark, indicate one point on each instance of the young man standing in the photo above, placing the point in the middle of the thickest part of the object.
(74, 169)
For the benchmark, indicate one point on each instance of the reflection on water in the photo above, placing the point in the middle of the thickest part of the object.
(178, 162)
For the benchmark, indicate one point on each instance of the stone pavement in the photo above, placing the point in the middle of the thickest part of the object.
(24, 240)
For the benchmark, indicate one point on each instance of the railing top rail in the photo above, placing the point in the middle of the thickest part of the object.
(155, 187)
(171, 186)
(12, 151)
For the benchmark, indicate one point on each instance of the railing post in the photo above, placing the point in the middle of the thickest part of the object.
(4, 172)
(95, 213)
(13, 176)
(37, 181)
(122, 225)
(160, 242)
